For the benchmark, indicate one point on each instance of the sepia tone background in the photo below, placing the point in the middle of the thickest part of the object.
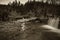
(22, 19)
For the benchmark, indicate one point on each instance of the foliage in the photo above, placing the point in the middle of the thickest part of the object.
(32, 8)
(4, 16)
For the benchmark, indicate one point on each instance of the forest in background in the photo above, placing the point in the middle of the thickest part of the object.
(17, 10)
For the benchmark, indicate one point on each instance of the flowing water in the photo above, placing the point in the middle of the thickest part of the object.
(53, 22)
(20, 30)
(23, 26)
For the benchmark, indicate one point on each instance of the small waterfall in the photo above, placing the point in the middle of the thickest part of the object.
(23, 26)
(53, 22)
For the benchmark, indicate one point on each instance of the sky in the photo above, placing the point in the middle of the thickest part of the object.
(7, 1)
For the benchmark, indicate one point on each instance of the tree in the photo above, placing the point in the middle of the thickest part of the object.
(14, 3)
(51, 1)
(19, 3)
(4, 16)
(9, 3)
